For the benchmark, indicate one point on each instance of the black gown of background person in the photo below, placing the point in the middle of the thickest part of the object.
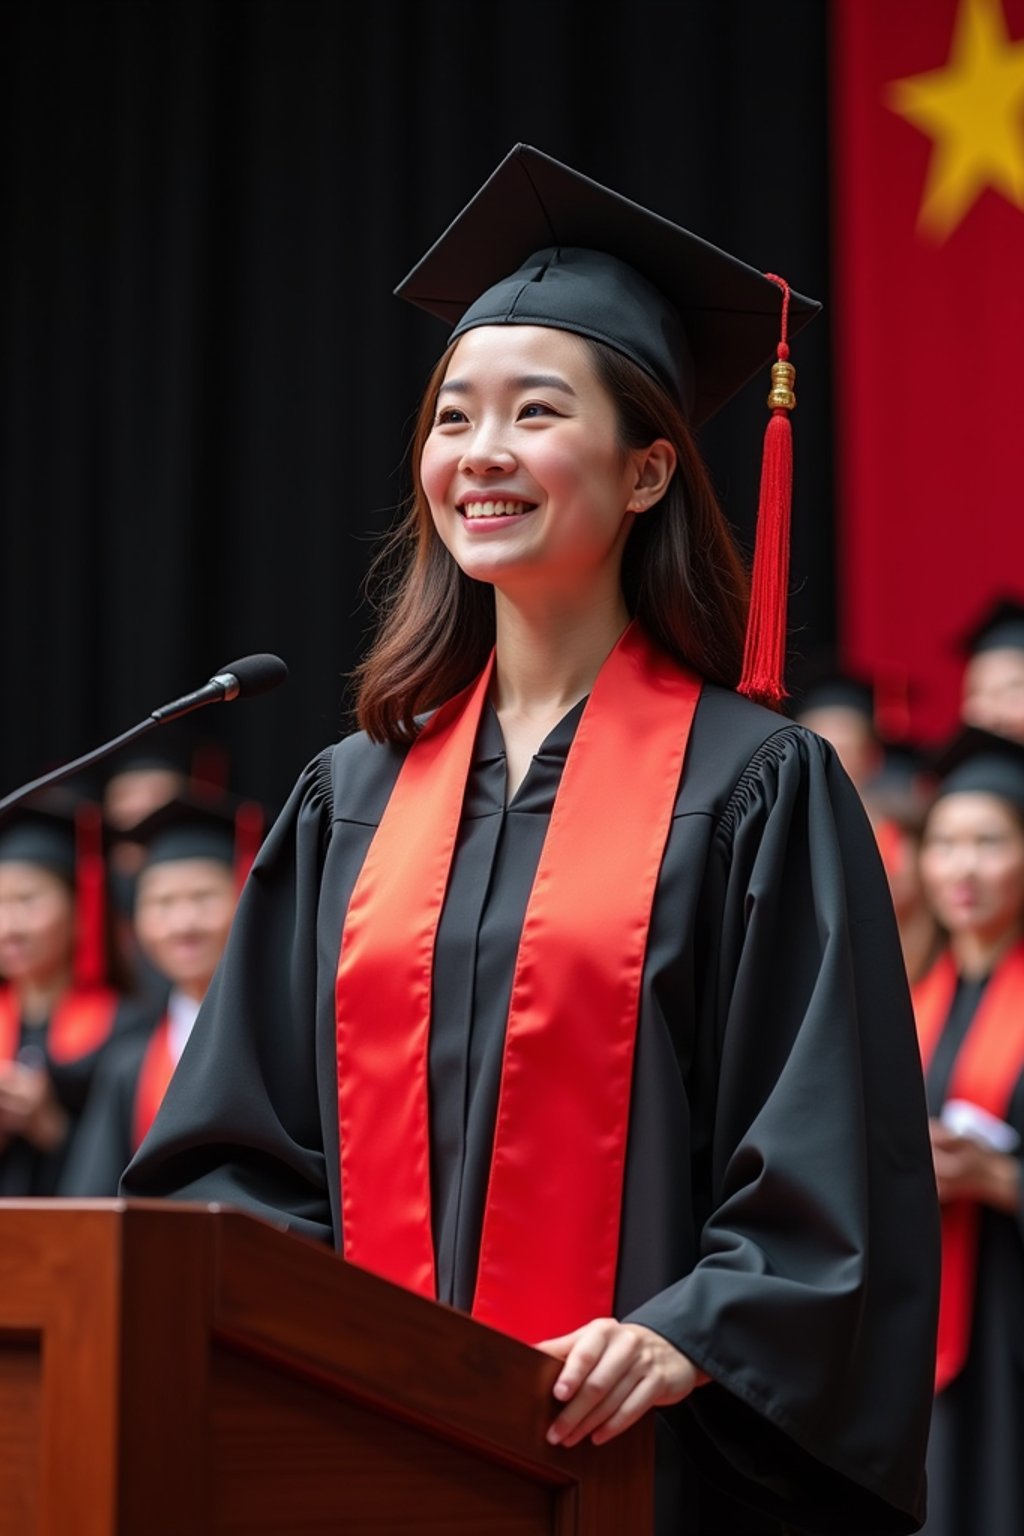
(976, 1451)
(777, 1131)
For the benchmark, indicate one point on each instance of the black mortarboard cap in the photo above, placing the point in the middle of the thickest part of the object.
(1001, 627)
(190, 827)
(61, 831)
(41, 832)
(826, 683)
(979, 762)
(541, 244)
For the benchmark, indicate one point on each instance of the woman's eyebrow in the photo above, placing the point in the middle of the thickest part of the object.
(524, 381)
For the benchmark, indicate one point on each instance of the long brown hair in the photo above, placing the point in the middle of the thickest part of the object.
(682, 575)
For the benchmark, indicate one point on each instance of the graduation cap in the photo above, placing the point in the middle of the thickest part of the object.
(979, 762)
(836, 689)
(1000, 628)
(541, 244)
(190, 827)
(64, 834)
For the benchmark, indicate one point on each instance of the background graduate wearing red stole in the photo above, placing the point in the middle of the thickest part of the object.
(57, 1007)
(580, 1006)
(970, 1011)
(195, 855)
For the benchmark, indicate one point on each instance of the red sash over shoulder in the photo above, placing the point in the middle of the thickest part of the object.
(156, 1071)
(549, 1247)
(986, 1070)
(81, 1022)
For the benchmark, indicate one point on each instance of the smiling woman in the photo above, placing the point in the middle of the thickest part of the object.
(568, 990)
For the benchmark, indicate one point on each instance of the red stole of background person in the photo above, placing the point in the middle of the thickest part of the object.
(80, 1023)
(157, 1069)
(987, 1068)
(929, 317)
(549, 1246)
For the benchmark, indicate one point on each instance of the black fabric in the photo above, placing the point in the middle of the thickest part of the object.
(975, 1466)
(541, 244)
(779, 1218)
(104, 1138)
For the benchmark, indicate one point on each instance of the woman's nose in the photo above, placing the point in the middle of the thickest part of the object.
(486, 451)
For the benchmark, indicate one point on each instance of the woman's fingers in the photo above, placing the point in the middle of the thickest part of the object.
(613, 1373)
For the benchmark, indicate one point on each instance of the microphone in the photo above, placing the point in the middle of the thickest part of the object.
(238, 680)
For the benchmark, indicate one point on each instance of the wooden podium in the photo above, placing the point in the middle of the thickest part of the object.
(185, 1370)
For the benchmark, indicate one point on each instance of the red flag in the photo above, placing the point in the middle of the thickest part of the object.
(929, 241)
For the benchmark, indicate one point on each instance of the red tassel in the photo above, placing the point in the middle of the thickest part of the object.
(90, 962)
(764, 657)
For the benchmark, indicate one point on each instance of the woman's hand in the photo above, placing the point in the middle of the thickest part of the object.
(29, 1107)
(965, 1170)
(613, 1373)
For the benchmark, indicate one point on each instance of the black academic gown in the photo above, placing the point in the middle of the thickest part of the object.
(779, 1218)
(976, 1451)
(105, 1136)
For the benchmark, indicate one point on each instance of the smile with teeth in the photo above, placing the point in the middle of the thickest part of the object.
(475, 509)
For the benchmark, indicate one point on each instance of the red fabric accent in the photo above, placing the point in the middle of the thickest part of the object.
(248, 836)
(90, 959)
(157, 1069)
(550, 1241)
(383, 1001)
(892, 845)
(764, 657)
(10, 1024)
(987, 1068)
(80, 1023)
(551, 1223)
(929, 335)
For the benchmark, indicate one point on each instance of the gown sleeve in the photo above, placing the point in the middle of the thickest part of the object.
(814, 1301)
(240, 1122)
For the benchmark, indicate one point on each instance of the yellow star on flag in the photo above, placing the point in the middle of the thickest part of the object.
(973, 109)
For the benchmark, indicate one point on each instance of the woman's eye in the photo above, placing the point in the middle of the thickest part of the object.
(448, 416)
(534, 409)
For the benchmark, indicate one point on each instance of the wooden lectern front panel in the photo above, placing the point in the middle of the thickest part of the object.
(20, 1397)
(333, 1465)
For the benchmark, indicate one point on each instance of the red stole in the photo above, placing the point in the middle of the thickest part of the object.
(157, 1068)
(80, 1023)
(549, 1247)
(989, 1063)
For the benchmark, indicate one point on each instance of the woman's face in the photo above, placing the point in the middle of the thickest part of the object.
(972, 864)
(37, 924)
(523, 471)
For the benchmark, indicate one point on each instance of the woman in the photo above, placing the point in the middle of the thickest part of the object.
(523, 1016)
(970, 1012)
(56, 1008)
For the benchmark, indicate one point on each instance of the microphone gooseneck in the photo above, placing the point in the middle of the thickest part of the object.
(238, 680)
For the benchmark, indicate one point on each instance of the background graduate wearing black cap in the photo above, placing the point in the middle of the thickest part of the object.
(186, 892)
(615, 1053)
(57, 1008)
(970, 1011)
(993, 682)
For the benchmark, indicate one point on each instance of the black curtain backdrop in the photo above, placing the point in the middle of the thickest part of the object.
(206, 382)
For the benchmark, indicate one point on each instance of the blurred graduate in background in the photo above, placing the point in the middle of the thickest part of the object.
(196, 854)
(57, 1004)
(970, 1014)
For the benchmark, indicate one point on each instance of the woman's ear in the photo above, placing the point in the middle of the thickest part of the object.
(654, 467)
